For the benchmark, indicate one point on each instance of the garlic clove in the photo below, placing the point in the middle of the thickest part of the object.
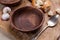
(5, 16)
(58, 10)
(37, 3)
(46, 6)
(6, 10)
(51, 13)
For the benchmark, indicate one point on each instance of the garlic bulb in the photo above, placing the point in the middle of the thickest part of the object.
(5, 16)
(6, 10)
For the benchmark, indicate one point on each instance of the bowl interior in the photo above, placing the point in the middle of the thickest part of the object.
(9, 1)
(27, 19)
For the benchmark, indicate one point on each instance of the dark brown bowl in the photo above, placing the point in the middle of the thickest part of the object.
(27, 19)
(10, 2)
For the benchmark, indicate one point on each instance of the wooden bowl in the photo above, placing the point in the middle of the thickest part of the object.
(10, 2)
(27, 19)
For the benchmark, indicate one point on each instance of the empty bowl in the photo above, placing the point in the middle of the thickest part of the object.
(9, 2)
(27, 19)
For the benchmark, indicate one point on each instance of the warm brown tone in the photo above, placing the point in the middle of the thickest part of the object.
(27, 19)
(48, 34)
(9, 2)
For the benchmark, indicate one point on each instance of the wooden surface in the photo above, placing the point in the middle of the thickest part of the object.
(48, 34)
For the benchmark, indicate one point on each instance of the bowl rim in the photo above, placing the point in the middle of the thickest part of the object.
(12, 24)
(10, 2)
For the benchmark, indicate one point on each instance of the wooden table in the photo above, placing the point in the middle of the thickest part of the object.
(48, 34)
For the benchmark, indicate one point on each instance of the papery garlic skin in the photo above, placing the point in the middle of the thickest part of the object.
(38, 3)
(5, 16)
(50, 13)
(47, 6)
(58, 10)
(6, 10)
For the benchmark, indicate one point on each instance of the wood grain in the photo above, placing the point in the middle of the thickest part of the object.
(48, 34)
